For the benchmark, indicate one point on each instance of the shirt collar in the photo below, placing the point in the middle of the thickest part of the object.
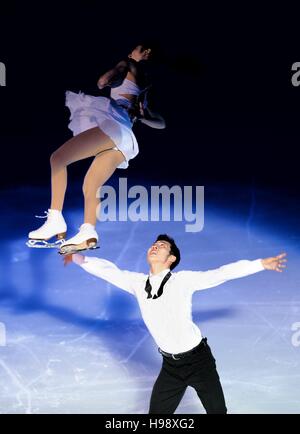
(160, 275)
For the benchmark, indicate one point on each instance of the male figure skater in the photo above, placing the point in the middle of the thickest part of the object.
(165, 300)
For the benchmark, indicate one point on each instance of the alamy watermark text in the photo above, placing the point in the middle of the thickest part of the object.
(158, 203)
(2, 74)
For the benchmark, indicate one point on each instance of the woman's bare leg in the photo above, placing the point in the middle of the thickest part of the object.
(99, 172)
(84, 145)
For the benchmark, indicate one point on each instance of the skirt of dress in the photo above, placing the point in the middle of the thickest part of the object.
(91, 111)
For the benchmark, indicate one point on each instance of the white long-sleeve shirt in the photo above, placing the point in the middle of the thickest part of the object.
(169, 317)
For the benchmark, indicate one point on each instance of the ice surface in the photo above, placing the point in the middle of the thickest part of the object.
(75, 344)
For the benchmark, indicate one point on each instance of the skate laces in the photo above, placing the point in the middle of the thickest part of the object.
(43, 216)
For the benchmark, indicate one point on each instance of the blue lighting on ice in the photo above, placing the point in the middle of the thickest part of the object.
(75, 344)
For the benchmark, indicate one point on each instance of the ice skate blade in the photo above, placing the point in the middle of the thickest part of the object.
(90, 244)
(43, 244)
(72, 250)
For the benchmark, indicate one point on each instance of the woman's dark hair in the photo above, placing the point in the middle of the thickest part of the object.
(173, 250)
(150, 43)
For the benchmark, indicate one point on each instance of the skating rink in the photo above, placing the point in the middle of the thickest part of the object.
(71, 343)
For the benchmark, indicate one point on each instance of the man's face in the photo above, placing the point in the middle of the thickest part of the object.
(159, 252)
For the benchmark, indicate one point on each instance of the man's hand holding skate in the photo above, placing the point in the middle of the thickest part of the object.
(74, 257)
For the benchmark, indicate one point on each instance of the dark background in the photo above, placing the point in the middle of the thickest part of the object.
(224, 87)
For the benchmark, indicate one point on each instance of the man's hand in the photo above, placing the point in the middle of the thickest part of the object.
(67, 259)
(276, 263)
(73, 257)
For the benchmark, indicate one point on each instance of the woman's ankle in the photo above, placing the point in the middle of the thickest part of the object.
(88, 223)
(55, 210)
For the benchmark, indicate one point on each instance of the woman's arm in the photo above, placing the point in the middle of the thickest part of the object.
(152, 119)
(115, 76)
(141, 112)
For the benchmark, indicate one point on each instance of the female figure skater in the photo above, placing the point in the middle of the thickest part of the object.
(102, 128)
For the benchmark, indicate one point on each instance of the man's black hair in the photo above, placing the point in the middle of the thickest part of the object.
(173, 250)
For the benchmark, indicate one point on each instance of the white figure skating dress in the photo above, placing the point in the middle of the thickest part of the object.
(109, 114)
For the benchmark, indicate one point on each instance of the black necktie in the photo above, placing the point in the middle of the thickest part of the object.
(148, 287)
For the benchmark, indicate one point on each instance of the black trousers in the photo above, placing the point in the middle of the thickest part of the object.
(197, 370)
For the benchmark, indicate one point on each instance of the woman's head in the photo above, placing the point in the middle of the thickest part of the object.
(140, 52)
(146, 49)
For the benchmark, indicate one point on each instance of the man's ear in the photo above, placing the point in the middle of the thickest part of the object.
(172, 258)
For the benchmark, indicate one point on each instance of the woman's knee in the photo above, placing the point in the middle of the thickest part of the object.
(58, 159)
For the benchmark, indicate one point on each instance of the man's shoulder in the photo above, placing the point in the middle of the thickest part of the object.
(137, 275)
(188, 277)
(182, 273)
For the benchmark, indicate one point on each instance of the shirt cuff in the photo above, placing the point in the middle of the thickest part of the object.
(258, 265)
(78, 259)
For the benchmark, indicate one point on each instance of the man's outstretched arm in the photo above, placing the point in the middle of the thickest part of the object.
(108, 271)
(197, 280)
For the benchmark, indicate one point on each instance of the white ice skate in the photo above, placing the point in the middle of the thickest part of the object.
(54, 226)
(86, 238)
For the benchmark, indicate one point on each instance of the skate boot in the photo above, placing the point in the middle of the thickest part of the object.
(54, 226)
(86, 238)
